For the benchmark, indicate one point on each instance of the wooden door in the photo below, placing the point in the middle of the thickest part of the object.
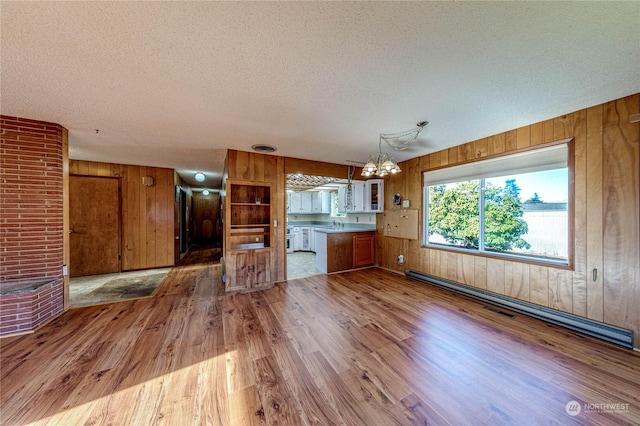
(363, 250)
(94, 217)
(238, 270)
(184, 226)
(262, 267)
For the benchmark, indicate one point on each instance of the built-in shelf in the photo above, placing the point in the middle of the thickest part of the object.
(248, 250)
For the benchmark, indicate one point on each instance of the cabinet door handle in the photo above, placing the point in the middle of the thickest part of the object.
(595, 274)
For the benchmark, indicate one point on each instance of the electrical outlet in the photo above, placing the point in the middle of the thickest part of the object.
(400, 260)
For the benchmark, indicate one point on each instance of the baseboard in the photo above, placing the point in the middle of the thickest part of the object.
(390, 270)
(600, 330)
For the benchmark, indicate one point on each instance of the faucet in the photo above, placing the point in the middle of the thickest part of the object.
(333, 223)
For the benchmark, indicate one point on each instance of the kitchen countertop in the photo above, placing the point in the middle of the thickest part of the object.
(346, 229)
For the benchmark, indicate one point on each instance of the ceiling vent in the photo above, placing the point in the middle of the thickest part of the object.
(265, 149)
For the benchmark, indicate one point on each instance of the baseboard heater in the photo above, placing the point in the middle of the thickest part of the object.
(610, 333)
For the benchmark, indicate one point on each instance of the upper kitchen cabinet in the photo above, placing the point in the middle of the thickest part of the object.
(308, 202)
(374, 195)
(321, 202)
(293, 202)
(365, 197)
(351, 201)
(299, 202)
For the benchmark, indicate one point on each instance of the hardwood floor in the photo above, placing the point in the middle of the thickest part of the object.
(367, 347)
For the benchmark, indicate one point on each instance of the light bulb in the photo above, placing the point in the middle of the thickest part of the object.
(388, 165)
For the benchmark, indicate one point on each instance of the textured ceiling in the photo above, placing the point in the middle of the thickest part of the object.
(175, 84)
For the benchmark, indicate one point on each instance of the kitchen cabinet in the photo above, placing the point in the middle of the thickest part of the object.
(248, 251)
(300, 202)
(374, 195)
(297, 239)
(357, 204)
(312, 239)
(305, 238)
(363, 250)
(341, 251)
(293, 202)
(321, 202)
(306, 202)
(249, 269)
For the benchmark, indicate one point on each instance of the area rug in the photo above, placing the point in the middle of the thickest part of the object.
(121, 288)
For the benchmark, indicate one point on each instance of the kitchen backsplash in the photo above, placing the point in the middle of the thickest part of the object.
(316, 219)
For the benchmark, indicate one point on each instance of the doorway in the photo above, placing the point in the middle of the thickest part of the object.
(94, 219)
(184, 225)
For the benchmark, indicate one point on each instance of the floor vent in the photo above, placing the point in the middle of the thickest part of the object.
(610, 333)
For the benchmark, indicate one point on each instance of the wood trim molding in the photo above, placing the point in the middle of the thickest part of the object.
(502, 154)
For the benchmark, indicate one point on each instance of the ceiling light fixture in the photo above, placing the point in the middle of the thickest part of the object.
(199, 177)
(382, 164)
(205, 192)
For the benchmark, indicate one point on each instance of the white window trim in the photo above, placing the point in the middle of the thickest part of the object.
(549, 158)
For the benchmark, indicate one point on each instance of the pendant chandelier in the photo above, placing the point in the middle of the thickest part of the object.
(382, 164)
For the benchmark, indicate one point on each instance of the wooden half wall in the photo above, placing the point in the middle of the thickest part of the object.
(147, 212)
(606, 219)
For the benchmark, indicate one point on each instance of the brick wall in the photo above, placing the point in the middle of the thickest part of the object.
(31, 220)
(22, 312)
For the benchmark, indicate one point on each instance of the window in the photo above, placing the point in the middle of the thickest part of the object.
(514, 206)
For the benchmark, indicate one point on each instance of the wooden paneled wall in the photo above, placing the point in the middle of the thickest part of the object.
(147, 212)
(606, 219)
(265, 168)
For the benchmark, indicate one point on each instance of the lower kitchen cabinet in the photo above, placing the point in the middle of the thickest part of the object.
(341, 251)
(305, 238)
(249, 269)
(363, 250)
